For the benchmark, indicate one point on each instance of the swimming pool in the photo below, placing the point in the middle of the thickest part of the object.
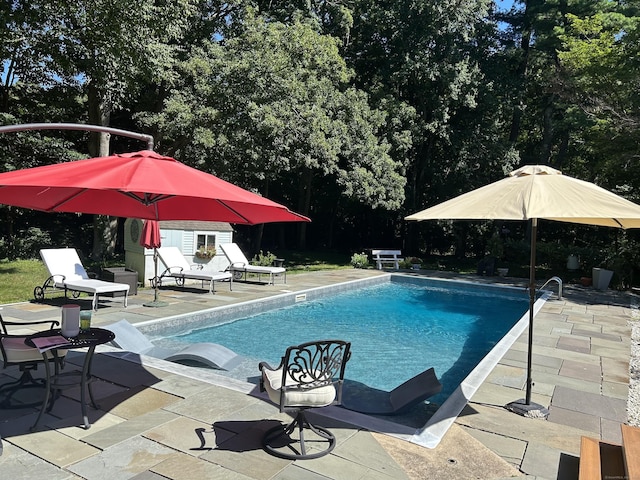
(396, 329)
(428, 434)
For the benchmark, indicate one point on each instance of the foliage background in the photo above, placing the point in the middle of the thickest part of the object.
(353, 112)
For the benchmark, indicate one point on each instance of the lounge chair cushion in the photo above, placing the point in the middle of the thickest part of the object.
(178, 267)
(18, 352)
(239, 262)
(93, 286)
(67, 272)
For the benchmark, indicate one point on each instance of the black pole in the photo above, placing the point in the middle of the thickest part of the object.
(155, 273)
(78, 126)
(525, 406)
(532, 299)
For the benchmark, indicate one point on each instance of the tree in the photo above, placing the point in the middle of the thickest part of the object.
(600, 61)
(272, 105)
(102, 47)
(435, 59)
(333, 17)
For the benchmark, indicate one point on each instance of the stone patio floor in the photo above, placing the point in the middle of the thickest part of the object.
(163, 420)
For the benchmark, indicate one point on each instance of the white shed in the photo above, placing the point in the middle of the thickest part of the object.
(187, 235)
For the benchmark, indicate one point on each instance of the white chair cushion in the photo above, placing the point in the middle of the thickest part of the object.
(173, 258)
(18, 352)
(64, 261)
(307, 397)
(234, 254)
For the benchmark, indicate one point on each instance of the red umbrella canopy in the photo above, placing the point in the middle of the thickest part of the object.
(143, 185)
(150, 237)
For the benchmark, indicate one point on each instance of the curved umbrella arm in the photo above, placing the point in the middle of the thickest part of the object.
(78, 126)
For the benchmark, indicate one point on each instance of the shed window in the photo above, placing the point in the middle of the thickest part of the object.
(205, 241)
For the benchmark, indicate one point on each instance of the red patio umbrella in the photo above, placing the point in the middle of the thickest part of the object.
(150, 238)
(143, 185)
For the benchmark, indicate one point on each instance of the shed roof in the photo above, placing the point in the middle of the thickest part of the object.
(195, 225)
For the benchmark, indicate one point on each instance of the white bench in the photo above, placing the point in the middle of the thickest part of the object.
(387, 257)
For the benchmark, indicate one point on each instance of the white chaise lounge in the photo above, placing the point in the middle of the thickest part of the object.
(67, 273)
(238, 264)
(179, 268)
(129, 338)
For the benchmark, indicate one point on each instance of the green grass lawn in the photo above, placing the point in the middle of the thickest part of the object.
(19, 278)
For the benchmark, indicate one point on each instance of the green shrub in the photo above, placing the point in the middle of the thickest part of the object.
(404, 264)
(263, 259)
(26, 245)
(359, 260)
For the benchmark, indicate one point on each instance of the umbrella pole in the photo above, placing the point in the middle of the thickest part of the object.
(524, 406)
(155, 273)
(155, 302)
(532, 300)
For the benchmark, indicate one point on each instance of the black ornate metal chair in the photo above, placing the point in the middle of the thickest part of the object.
(15, 352)
(309, 376)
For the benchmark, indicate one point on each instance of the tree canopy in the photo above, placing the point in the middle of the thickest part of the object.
(355, 113)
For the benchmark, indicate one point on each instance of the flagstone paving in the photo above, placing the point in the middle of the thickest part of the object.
(160, 420)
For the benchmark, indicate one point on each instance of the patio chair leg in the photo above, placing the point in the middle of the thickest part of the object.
(278, 437)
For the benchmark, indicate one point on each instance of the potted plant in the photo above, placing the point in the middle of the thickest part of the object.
(206, 253)
(416, 263)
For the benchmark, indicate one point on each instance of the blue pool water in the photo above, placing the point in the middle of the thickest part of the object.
(397, 330)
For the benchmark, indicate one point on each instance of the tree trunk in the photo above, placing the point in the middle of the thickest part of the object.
(547, 133)
(282, 237)
(304, 205)
(331, 226)
(258, 232)
(9, 226)
(418, 182)
(105, 228)
(256, 237)
(525, 44)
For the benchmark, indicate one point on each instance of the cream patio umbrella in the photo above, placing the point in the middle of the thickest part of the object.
(530, 193)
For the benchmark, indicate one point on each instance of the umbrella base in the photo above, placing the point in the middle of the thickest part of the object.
(531, 410)
(155, 303)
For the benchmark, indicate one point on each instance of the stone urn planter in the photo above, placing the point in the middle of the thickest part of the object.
(601, 278)
(503, 272)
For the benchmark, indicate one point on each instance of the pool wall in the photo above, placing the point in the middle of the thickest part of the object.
(181, 324)
(432, 432)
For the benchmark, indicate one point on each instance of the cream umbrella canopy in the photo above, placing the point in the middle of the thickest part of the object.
(530, 193)
(538, 191)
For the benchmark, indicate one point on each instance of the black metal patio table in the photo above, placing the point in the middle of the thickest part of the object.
(59, 381)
